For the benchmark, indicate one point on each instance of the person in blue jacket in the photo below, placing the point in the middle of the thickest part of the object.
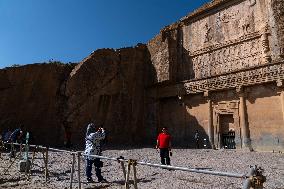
(94, 136)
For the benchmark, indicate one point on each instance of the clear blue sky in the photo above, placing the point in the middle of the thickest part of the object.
(33, 31)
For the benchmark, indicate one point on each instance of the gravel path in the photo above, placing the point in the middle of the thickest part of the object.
(150, 177)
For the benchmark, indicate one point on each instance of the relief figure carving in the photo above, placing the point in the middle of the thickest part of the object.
(227, 17)
(246, 23)
(208, 33)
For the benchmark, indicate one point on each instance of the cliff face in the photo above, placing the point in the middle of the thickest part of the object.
(278, 15)
(158, 48)
(32, 95)
(108, 88)
(169, 57)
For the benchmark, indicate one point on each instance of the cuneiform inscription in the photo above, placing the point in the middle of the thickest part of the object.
(268, 73)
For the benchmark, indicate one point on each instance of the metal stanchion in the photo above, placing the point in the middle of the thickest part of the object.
(79, 169)
(32, 162)
(254, 179)
(127, 174)
(134, 163)
(72, 170)
(21, 148)
(131, 163)
(247, 182)
(46, 163)
(120, 160)
(123, 169)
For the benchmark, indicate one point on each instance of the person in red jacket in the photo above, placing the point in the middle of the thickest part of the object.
(164, 144)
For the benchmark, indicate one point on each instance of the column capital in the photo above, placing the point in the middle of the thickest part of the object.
(207, 95)
(280, 83)
(240, 91)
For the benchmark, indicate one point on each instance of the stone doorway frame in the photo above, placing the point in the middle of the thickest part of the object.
(226, 108)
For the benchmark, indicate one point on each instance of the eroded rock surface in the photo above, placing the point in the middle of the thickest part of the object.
(32, 96)
(108, 88)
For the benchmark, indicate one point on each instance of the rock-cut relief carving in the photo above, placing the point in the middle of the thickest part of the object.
(228, 58)
(246, 23)
(247, 19)
(260, 75)
(238, 46)
(227, 21)
(208, 33)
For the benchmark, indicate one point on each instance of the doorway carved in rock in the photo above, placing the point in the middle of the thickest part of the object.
(226, 124)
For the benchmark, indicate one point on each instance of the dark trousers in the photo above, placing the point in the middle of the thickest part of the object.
(197, 144)
(97, 163)
(165, 158)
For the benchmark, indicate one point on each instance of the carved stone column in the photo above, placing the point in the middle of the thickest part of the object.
(246, 142)
(280, 84)
(282, 102)
(265, 44)
(210, 120)
(210, 124)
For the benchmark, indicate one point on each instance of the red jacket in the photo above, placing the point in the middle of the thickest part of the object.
(164, 140)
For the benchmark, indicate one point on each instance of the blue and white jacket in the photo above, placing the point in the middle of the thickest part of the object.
(93, 143)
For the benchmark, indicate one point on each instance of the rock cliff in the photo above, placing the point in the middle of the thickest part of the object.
(32, 96)
(107, 87)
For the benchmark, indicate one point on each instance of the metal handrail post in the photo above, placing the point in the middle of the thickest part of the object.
(247, 182)
(72, 170)
(79, 169)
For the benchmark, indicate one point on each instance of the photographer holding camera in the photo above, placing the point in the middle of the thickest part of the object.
(94, 136)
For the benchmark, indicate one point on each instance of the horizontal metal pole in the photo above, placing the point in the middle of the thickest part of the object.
(58, 150)
(103, 157)
(236, 175)
(23, 144)
(40, 147)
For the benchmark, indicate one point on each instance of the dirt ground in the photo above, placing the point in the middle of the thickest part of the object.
(231, 161)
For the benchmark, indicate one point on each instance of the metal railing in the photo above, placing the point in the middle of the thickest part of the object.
(254, 179)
